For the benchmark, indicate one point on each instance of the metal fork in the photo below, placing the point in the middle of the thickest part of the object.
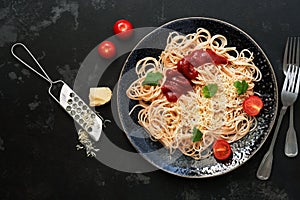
(291, 56)
(289, 95)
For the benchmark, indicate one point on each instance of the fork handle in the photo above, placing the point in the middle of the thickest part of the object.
(291, 146)
(265, 167)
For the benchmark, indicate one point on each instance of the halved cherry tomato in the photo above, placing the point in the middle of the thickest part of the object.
(107, 49)
(221, 149)
(252, 105)
(123, 29)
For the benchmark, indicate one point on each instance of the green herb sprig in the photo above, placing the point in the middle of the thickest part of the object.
(197, 135)
(209, 90)
(152, 79)
(241, 86)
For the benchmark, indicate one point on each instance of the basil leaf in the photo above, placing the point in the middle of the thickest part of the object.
(241, 86)
(152, 78)
(209, 90)
(197, 135)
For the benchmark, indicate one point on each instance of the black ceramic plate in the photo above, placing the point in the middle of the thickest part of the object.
(177, 163)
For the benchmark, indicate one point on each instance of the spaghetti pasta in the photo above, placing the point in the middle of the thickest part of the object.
(218, 117)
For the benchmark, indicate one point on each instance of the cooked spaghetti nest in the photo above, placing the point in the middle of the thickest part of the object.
(218, 117)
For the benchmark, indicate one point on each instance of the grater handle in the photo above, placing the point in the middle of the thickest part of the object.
(44, 75)
(50, 88)
(90, 122)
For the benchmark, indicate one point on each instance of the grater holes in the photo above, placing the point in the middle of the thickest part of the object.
(86, 117)
(80, 112)
(68, 108)
(89, 129)
(91, 121)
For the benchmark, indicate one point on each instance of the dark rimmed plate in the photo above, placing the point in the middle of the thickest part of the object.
(176, 163)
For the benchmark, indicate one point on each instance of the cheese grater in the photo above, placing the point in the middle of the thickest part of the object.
(68, 99)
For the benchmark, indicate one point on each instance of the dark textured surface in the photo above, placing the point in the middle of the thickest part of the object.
(244, 148)
(38, 158)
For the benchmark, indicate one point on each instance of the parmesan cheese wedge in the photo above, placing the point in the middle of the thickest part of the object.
(99, 96)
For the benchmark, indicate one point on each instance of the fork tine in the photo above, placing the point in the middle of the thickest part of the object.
(298, 81)
(290, 51)
(291, 75)
(286, 80)
(294, 77)
(295, 73)
(298, 51)
(286, 54)
(294, 50)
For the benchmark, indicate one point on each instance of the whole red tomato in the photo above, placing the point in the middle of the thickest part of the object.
(123, 29)
(107, 49)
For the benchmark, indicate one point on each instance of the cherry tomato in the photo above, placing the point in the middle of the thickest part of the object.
(107, 49)
(123, 29)
(221, 149)
(252, 105)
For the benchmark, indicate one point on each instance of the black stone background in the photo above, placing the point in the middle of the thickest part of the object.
(38, 158)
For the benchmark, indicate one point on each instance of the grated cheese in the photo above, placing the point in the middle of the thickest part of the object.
(86, 143)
